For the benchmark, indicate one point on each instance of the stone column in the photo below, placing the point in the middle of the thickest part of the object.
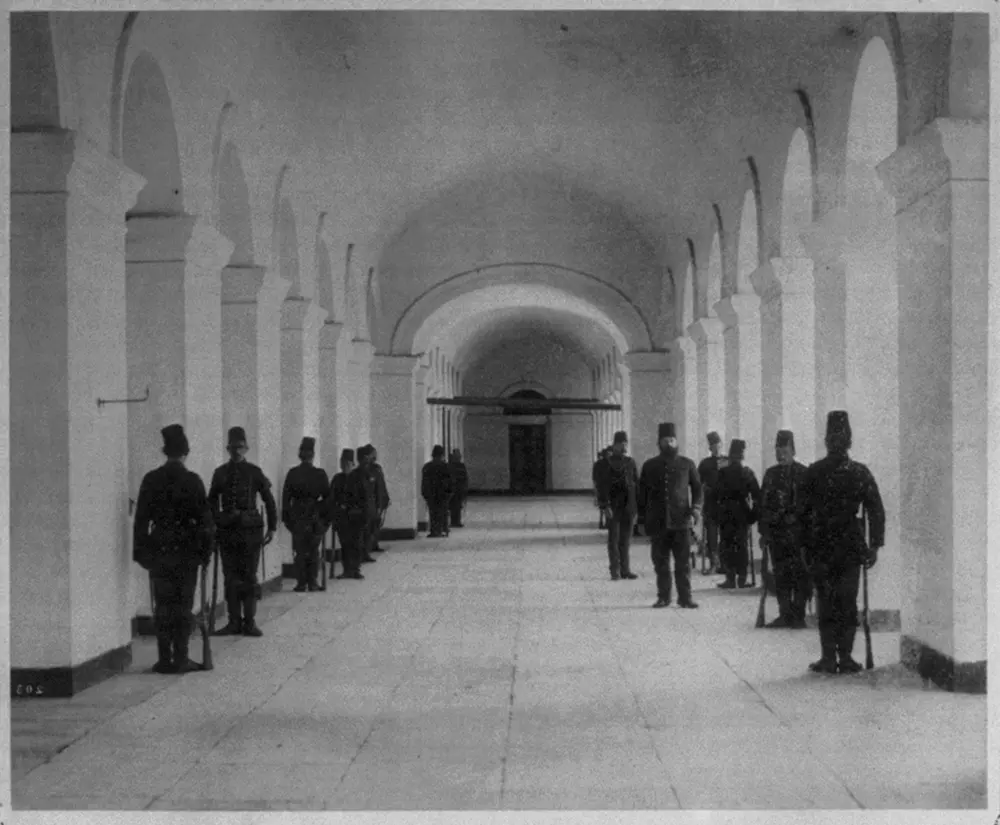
(422, 437)
(685, 406)
(70, 560)
(707, 334)
(740, 313)
(650, 383)
(394, 433)
(940, 181)
(301, 321)
(787, 357)
(359, 365)
(333, 395)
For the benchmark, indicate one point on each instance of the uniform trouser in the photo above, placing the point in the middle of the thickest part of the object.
(352, 540)
(371, 536)
(455, 505)
(173, 593)
(791, 579)
(735, 550)
(712, 539)
(240, 552)
(674, 543)
(437, 514)
(837, 609)
(620, 540)
(305, 550)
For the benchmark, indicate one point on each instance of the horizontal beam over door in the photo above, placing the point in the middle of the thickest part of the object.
(525, 404)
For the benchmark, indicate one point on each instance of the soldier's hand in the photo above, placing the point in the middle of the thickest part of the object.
(268, 537)
(872, 558)
(695, 518)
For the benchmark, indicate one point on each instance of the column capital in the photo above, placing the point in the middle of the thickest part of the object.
(706, 330)
(402, 365)
(298, 313)
(158, 238)
(331, 335)
(361, 353)
(207, 248)
(683, 345)
(784, 276)
(648, 361)
(421, 373)
(739, 309)
(945, 149)
(242, 284)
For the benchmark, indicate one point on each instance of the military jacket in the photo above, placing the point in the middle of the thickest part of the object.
(617, 480)
(779, 498)
(303, 497)
(833, 491)
(708, 472)
(173, 521)
(737, 496)
(382, 500)
(435, 482)
(337, 502)
(233, 497)
(361, 494)
(669, 494)
(459, 478)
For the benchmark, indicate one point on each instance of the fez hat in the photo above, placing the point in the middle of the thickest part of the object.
(362, 452)
(308, 445)
(737, 448)
(237, 437)
(437, 452)
(713, 438)
(785, 439)
(667, 430)
(838, 422)
(175, 443)
(621, 437)
(370, 447)
(346, 455)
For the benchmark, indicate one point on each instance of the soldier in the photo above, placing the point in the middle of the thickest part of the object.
(670, 502)
(339, 515)
(370, 484)
(233, 498)
(460, 486)
(617, 479)
(435, 487)
(362, 508)
(172, 536)
(382, 500)
(304, 514)
(708, 472)
(833, 541)
(779, 528)
(738, 502)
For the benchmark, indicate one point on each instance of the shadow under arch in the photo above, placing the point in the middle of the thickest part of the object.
(34, 76)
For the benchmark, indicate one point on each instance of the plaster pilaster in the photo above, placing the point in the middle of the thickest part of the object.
(649, 376)
(740, 313)
(707, 334)
(333, 432)
(685, 406)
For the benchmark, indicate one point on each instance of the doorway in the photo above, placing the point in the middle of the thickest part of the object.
(528, 454)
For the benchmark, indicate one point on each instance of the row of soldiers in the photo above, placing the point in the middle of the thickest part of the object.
(445, 488)
(808, 519)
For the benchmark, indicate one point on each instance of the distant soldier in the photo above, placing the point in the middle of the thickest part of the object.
(779, 528)
(435, 487)
(339, 506)
(304, 514)
(233, 498)
(834, 545)
(708, 472)
(172, 536)
(459, 485)
(738, 502)
(617, 480)
(362, 507)
(382, 501)
(670, 501)
(601, 455)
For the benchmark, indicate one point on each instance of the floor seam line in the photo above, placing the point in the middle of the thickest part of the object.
(513, 684)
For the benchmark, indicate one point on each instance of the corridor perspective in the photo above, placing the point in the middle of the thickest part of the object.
(499, 669)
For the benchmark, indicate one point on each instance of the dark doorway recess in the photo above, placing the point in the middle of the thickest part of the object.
(528, 456)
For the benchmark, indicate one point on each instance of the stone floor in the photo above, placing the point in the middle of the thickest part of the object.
(500, 668)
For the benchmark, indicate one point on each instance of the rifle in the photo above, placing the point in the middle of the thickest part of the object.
(753, 573)
(869, 659)
(763, 590)
(215, 589)
(704, 549)
(322, 562)
(204, 621)
(263, 561)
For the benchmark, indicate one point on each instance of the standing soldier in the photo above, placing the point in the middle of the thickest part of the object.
(708, 472)
(304, 515)
(435, 487)
(779, 528)
(593, 477)
(670, 501)
(617, 479)
(362, 508)
(833, 541)
(233, 498)
(382, 500)
(339, 515)
(172, 536)
(459, 485)
(738, 502)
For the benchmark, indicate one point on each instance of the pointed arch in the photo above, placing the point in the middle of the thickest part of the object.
(748, 254)
(797, 191)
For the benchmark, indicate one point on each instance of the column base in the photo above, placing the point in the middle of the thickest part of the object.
(941, 669)
(62, 682)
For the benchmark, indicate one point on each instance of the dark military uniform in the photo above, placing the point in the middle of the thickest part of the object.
(171, 538)
(304, 513)
(833, 491)
(669, 499)
(459, 486)
(737, 496)
(708, 472)
(436, 489)
(233, 497)
(382, 502)
(338, 508)
(361, 496)
(617, 479)
(779, 526)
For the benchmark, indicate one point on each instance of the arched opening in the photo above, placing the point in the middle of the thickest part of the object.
(234, 207)
(288, 247)
(149, 140)
(324, 280)
(687, 369)
(747, 256)
(34, 84)
(796, 196)
(713, 278)
(711, 350)
(872, 299)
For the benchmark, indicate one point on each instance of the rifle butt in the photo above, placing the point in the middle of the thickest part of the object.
(206, 634)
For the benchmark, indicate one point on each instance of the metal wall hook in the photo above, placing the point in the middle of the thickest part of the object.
(102, 401)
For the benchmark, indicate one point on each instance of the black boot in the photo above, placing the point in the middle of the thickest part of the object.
(827, 663)
(165, 663)
(249, 613)
(182, 642)
(845, 647)
(614, 576)
(729, 583)
(234, 608)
